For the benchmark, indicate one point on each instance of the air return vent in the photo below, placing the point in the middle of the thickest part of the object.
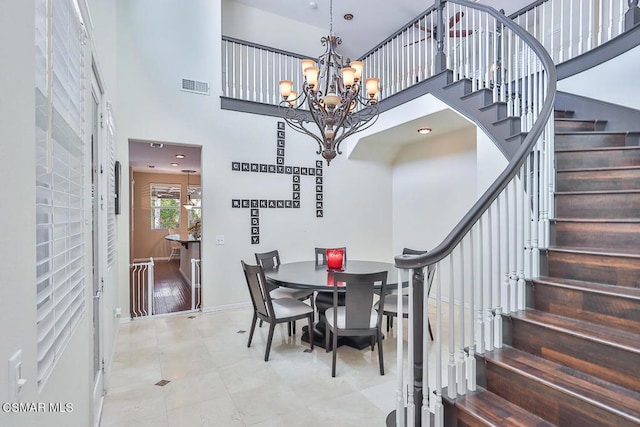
(195, 86)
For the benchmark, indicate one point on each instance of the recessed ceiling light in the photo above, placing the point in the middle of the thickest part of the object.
(180, 156)
(348, 16)
(175, 164)
(424, 131)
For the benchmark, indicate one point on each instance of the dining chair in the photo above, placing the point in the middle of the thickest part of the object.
(271, 260)
(321, 255)
(272, 311)
(174, 247)
(323, 299)
(390, 301)
(356, 317)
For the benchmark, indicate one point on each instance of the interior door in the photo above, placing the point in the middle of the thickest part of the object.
(97, 204)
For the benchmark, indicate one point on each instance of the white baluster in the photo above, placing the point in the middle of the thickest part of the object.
(476, 37)
(487, 51)
(561, 26)
(551, 209)
(471, 357)
(535, 251)
(482, 284)
(527, 219)
(621, 20)
(600, 21)
(571, 15)
(494, 61)
(451, 367)
(510, 93)
(497, 317)
(460, 364)
(580, 28)
(610, 28)
(490, 269)
(520, 206)
(591, 24)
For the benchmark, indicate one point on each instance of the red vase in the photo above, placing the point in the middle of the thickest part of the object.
(335, 258)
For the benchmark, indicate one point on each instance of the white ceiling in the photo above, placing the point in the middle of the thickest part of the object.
(142, 155)
(373, 21)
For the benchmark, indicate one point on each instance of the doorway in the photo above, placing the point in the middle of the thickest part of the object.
(166, 216)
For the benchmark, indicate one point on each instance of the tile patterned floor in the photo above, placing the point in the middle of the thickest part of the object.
(215, 380)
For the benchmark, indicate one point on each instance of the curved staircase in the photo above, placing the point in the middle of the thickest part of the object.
(572, 358)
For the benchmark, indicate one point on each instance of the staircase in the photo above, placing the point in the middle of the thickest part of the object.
(573, 356)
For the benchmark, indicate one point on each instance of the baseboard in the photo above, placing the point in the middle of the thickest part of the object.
(225, 307)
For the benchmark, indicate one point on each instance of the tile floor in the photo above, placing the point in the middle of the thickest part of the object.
(215, 380)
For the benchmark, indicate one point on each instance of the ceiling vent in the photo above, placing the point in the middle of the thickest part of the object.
(195, 86)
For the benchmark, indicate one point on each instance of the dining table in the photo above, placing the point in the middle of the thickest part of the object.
(311, 275)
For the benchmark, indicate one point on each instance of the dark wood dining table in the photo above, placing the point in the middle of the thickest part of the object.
(310, 275)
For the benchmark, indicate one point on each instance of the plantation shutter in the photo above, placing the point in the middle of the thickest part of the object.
(111, 193)
(60, 183)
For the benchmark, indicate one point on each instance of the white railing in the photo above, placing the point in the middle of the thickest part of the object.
(141, 289)
(196, 285)
(568, 28)
(481, 266)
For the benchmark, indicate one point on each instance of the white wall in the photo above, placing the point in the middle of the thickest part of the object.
(357, 195)
(434, 185)
(257, 26)
(621, 85)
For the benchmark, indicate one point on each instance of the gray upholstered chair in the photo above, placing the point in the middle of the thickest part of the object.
(390, 301)
(356, 317)
(271, 260)
(272, 311)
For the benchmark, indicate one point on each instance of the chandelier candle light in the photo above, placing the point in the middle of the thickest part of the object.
(188, 204)
(331, 92)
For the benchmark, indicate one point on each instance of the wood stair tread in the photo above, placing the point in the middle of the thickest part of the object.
(574, 150)
(592, 251)
(491, 409)
(597, 392)
(600, 169)
(590, 331)
(611, 290)
(597, 220)
(594, 132)
(595, 192)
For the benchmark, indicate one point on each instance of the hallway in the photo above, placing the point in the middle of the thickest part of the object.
(171, 293)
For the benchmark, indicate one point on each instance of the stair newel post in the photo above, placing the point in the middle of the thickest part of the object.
(438, 406)
(632, 16)
(425, 415)
(451, 367)
(399, 360)
(440, 58)
(461, 355)
(414, 347)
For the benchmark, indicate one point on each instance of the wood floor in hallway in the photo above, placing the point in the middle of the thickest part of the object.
(170, 293)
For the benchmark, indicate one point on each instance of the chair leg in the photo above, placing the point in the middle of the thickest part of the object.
(429, 326)
(294, 327)
(253, 326)
(380, 357)
(327, 332)
(260, 325)
(373, 342)
(289, 328)
(311, 330)
(272, 327)
(335, 354)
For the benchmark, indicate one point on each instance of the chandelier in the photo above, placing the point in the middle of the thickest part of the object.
(331, 98)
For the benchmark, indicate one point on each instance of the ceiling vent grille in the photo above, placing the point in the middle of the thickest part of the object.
(195, 86)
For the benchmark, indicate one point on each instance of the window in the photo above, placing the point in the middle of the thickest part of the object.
(165, 206)
(61, 190)
(194, 214)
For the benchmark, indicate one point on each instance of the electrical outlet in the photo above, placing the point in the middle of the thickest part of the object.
(16, 382)
(220, 239)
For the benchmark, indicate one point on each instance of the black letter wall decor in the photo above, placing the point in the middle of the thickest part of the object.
(279, 167)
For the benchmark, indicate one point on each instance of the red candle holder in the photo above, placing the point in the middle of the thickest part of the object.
(335, 258)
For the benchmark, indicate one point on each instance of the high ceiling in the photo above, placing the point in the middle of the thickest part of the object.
(373, 20)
